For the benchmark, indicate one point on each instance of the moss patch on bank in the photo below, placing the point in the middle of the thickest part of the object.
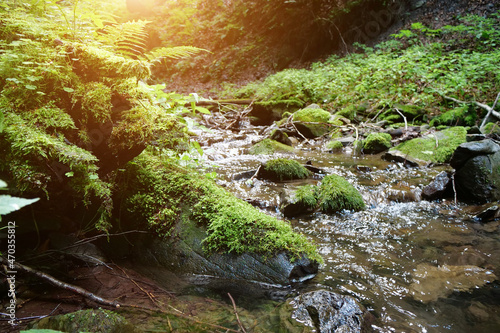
(159, 192)
(437, 147)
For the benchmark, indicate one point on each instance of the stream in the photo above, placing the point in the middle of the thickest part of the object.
(418, 266)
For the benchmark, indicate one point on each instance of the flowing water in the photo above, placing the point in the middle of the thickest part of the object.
(418, 266)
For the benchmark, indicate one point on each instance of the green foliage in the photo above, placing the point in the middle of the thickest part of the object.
(71, 108)
(160, 192)
(285, 169)
(398, 74)
(437, 147)
(337, 194)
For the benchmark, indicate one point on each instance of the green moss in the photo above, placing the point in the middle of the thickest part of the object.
(285, 169)
(334, 145)
(162, 193)
(437, 147)
(377, 142)
(461, 116)
(312, 115)
(491, 128)
(307, 195)
(337, 194)
(268, 147)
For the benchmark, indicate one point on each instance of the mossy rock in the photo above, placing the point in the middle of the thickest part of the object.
(334, 145)
(283, 169)
(265, 113)
(93, 320)
(376, 143)
(491, 128)
(268, 147)
(461, 116)
(337, 194)
(410, 112)
(312, 115)
(163, 194)
(434, 148)
(280, 136)
(312, 122)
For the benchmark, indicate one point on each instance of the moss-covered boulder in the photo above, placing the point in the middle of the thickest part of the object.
(337, 194)
(312, 122)
(283, 169)
(376, 143)
(93, 320)
(302, 201)
(437, 147)
(491, 129)
(334, 145)
(461, 116)
(269, 147)
(203, 229)
(280, 136)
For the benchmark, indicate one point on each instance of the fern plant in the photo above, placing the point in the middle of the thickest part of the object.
(129, 40)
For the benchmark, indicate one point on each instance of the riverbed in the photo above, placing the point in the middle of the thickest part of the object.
(418, 266)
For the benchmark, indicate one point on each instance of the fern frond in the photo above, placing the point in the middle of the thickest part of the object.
(177, 52)
(127, 39)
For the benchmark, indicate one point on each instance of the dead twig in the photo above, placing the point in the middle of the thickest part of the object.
(236, 313)
(63, 285)
(404, 118)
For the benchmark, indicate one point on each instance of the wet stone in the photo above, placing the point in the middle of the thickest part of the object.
(330, 312)
(439, 188)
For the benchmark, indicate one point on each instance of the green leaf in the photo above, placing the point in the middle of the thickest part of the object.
(2, 126)
(10, 204)
(70, 174)
(67, 89)
(93, 176)
(203, 110)
(30, 87)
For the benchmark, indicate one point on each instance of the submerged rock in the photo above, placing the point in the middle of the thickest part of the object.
(328, 312)
(94, 320)
(434, 282)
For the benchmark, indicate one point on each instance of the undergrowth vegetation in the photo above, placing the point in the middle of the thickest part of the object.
(416, 67)
(72, 107)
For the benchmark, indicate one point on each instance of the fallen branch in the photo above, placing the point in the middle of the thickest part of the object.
(402, 115)
(63, 285)
(491, 111)
(236, 313)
